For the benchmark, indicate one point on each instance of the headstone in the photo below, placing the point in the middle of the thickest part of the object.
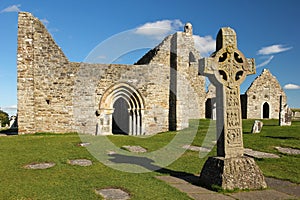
(257, 126)
(286, 115)
(226, 69)
(13, 122)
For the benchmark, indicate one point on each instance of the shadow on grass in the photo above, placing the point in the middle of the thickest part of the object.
(148, 164)
(283, 137)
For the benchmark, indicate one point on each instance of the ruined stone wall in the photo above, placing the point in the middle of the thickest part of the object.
(187, 88)
(55, 95)
(190, 92)
(265, 88)
(44, 103)
(94, 80)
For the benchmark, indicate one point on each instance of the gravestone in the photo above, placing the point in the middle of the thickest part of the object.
(257, 126)
(285, 115)
(227, 68)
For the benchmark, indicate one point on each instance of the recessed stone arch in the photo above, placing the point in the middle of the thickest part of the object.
(121, 93)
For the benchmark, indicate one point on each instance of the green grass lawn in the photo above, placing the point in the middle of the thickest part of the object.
(64, 181)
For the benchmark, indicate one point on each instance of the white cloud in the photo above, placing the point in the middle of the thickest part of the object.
(11, 107)
(205, 45)
(13, 8)
(265, 62)
(45, 21)
(10, 110)
(278, 48)
(159, 29)
(291, 86)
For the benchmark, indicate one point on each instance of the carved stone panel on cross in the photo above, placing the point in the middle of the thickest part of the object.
(227, 68)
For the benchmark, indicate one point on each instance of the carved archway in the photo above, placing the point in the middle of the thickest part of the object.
(109, 108)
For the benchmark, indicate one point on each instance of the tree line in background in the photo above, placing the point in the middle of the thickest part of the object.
(4, 118)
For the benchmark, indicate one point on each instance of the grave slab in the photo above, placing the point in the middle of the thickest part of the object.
(136, 149)
(39, 165)
(259, 154)
(113, 194)
(290, 151)
(80, 162)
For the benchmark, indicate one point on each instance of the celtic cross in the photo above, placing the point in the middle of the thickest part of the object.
(227, 68)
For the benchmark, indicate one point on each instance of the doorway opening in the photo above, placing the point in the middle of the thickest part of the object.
(266, 111)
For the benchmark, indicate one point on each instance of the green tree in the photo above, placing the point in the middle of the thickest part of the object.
(4, 118)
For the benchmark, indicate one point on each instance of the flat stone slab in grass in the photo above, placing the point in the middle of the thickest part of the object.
(80, 162)
(196, 148)
(259, 154)
(113, 194)
(136, 149)
(83, 144)
(39, 165)
(288, 150)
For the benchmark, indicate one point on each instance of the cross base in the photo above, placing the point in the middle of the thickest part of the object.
(232, 173)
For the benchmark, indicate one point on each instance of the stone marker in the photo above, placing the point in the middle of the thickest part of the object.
(80, 162)
(290, 151)
(196, 148)
(259, 154)
(257, 126)
(84, 144)
(45, 165)
(136, 149)
(226, 69)
(113, 194)
(285, 115)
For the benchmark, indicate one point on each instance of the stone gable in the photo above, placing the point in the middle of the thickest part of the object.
(263, 97)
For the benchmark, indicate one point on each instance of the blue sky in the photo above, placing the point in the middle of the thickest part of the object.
(267, 31)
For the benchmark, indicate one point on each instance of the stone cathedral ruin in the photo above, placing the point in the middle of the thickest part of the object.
(162, 91)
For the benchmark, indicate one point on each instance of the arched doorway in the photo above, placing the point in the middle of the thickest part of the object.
(121, 111)
(120, 117)
(266, 110)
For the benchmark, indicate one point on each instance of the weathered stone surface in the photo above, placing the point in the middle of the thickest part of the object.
(196, 148)
(227, 68)
(231, 173)
(136, 149)
(56, 95)
(39, 165)
(257, 126)
(263, 97)
(286, 115)
(80, 162)
(259, 154)
(113, 194)
(290, 151)
(84, 144)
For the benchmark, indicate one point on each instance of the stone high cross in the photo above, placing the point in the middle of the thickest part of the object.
(227, 68)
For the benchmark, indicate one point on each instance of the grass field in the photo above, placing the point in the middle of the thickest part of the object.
(64, 181)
